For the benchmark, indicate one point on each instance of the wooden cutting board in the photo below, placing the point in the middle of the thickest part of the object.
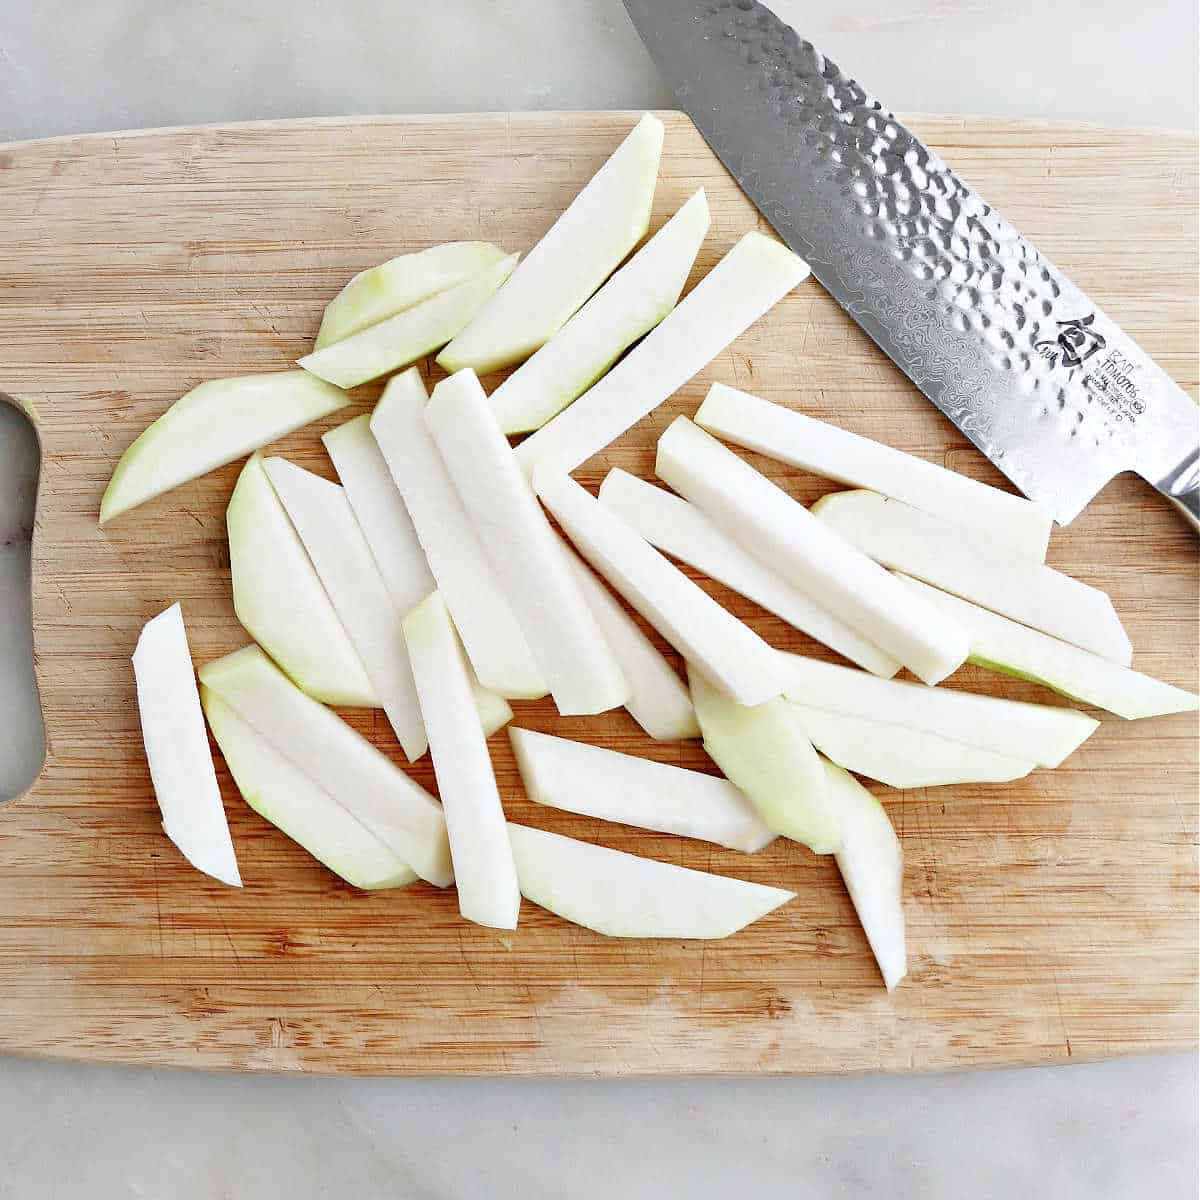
(1048, 919)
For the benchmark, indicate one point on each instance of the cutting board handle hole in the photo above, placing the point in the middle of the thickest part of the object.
(22, 737)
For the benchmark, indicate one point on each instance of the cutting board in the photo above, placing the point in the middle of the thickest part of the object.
(1049, 919)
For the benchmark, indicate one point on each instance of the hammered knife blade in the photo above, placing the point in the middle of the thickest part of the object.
(1033, 372)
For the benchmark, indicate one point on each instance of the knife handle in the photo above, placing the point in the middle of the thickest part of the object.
(1182, 487)
(1189, 505)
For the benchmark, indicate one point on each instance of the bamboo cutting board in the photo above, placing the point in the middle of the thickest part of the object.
(1048, 919)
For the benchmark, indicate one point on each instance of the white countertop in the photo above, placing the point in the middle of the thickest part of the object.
(1120, 1129)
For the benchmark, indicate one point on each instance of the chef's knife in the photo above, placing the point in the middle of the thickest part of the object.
(1033, 372)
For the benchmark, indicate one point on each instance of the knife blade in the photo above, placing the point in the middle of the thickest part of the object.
(1035, 374)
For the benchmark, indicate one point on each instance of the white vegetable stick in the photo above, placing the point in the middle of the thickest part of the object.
(280, 600)
(746, 283)
(1001, 644)
(872, 866)
(389, 531)
(325, 522)
(633, 301)
(579, 778)
(733, 655)
(215, 423)
(482, 615)
(392, 286)
(1033, 732)
(579, 251)
(685, 532)
(483, 863)
(765, 750)
(622, 895)
(409, 335)
(812, 445)
(958, 561)
(658, 701)
(494, 711)
(380, 511)
(336, 758)
(904, 757)
(781, 532)
(282, 794)
(181, 766)
(567, 645)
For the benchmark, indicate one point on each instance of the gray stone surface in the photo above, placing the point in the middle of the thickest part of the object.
(69, 67)
(1124, 1129)
(1106, 1131)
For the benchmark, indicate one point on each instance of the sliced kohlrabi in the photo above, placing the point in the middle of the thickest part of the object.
(409, 335)
(1037, 733)
(802, 441)
(872, 866)
(381, 292)
(571, 653)
(280, 601)
(904, 757)
(482, 614)
(483, 863)
(632, 302)
(622, 895)
(765, 750)
(282, 794)
(658, 700)
(779, 530)
(756, 274)
(560, 773)
(389, 531)
(958, 560)
(1001, 644)
(680, 529)
(214, 424)
(579, 251)
(380, 510)
(325, 522)
(181, 765)
(336, 758)
(732, 654)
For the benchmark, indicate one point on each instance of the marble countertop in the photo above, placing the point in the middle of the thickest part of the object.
(1119, 1129)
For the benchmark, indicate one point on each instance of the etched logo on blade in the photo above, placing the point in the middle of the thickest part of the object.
(1115, 385)
(1111, 381)
(1076, 342)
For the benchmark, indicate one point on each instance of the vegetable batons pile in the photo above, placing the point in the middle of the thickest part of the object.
(431, 583)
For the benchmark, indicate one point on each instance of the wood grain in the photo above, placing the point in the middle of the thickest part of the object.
(1048, 919)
